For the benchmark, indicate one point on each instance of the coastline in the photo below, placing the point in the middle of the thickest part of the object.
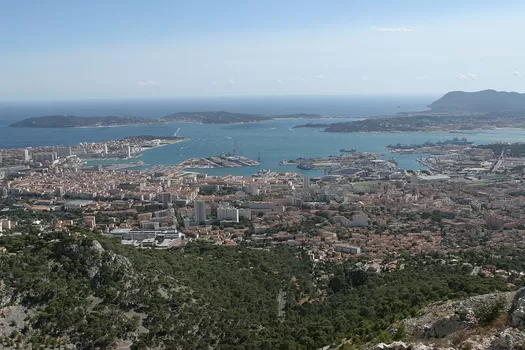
(139, 155)
(452, 131)
(164, 122)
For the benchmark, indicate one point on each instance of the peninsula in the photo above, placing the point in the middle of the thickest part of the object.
(485, 101)
(70, 121)
(482, 110)
(222, 117)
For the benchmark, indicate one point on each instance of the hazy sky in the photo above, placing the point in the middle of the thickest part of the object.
(58, 49)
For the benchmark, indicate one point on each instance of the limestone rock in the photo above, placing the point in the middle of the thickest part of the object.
(517, 313)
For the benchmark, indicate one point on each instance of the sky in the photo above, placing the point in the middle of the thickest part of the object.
(115, 49)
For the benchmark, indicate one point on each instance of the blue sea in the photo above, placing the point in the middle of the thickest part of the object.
(274, 140)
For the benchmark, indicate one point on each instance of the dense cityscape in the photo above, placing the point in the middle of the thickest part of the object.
(470, 198)
(364, 212)
(262, 175)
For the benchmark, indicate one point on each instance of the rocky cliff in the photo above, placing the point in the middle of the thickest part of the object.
(493, 321)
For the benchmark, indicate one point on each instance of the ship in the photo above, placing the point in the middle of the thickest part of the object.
(347, 150)
(261, 173)
(306, 166)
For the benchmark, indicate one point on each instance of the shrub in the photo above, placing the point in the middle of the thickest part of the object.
(488, 312)
(400, 331)
(467, 346)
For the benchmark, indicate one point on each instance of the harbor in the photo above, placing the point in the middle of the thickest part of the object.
(226, 160)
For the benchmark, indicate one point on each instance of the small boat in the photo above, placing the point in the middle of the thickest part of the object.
(347, 150)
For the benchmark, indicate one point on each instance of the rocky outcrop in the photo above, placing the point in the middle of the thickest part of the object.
(509, 338)
(442, 327)
(444, 319)
(406, 346)
(452, 325)
(517, 313)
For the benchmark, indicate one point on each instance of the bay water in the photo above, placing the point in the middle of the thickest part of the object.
(274, 140)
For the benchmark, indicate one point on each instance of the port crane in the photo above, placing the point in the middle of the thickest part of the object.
(176, 132)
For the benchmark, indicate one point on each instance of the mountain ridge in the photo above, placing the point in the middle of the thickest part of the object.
(484, 101)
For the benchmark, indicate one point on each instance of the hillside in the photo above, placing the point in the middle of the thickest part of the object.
(70, 121)
(485, 101)
(58, 289)
(430, 123)
(492, 321)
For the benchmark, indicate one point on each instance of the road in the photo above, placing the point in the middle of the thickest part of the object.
(499, 162)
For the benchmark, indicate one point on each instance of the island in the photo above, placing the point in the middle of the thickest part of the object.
(221, 117)
(225, 160)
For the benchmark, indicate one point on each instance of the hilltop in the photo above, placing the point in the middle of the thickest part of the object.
(485, 101)
(220, 117)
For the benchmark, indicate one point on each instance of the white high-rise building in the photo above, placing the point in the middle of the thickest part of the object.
(26, 155)
(200, 211)
(306, 182)
(129, 151)
(228, 213)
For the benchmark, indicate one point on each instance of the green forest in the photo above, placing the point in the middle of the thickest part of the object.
(91, 291)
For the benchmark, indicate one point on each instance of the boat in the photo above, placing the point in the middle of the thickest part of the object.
(261, 173)
(347, 150)
(286, 162)
(305, 166)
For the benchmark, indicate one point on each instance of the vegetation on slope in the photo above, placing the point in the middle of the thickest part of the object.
(77, 291)
(70, 121)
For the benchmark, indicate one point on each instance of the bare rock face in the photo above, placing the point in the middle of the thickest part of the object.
(517, 312)
(446, 318)
(510, 338)
(406, 346)
(445, 326)
(452, 325)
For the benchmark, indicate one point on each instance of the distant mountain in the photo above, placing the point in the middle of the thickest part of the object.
(70, 121)
(485, 101)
